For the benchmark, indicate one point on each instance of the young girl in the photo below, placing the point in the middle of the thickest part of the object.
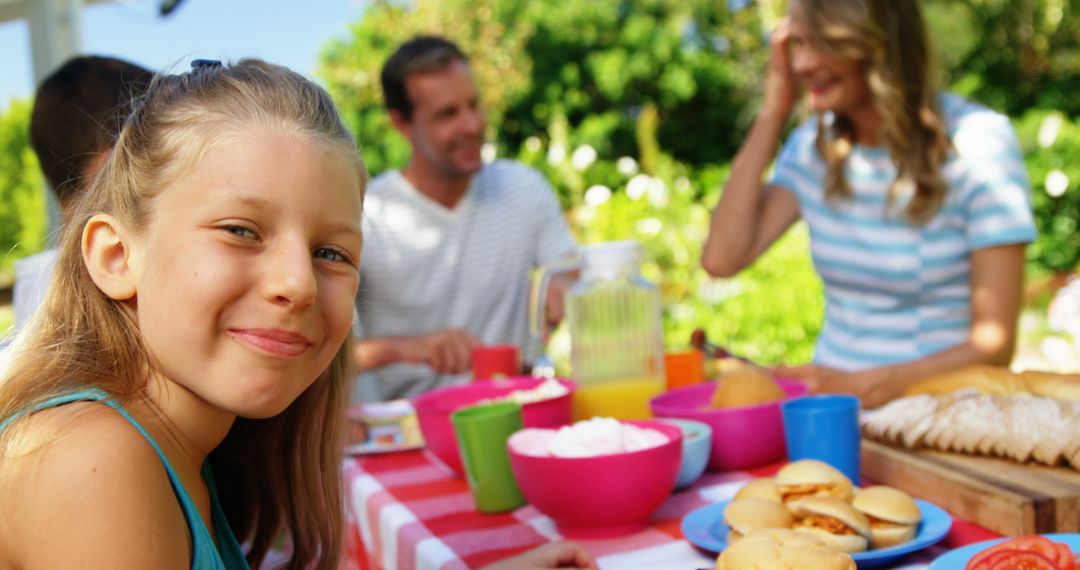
(181, 390)
(916, 200)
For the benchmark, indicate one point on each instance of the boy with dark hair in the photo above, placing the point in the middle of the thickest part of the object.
(78, 109)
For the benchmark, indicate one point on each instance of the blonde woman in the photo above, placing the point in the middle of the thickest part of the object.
(181, 390)
(917, 201)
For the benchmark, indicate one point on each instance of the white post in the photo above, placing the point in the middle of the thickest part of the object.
(55, 36)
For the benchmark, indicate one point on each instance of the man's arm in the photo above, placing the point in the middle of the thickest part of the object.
(445, 351)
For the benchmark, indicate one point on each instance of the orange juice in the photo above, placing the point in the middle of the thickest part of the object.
(620, 399)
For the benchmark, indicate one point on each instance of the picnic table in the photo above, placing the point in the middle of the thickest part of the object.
(407, 510)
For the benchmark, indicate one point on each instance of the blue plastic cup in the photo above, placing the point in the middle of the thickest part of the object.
(826, 428)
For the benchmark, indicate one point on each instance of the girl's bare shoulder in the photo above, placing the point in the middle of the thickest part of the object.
(80, 486)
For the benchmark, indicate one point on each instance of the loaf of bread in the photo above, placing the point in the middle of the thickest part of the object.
(1020, 427)
(998, 381)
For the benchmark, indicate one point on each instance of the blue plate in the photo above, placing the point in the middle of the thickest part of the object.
(956, 559)
(704, 527)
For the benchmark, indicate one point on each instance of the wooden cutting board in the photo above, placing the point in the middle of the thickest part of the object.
(1003, 496)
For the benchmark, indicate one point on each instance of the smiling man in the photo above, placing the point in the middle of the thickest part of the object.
(449, 240)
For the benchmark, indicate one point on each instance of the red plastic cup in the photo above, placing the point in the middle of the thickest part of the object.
(495, 361)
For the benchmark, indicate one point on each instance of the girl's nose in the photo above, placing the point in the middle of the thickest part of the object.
(289, 278)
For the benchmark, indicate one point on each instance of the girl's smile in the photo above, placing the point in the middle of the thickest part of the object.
(276, 342)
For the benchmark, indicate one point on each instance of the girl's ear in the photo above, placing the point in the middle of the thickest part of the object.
(108, 254)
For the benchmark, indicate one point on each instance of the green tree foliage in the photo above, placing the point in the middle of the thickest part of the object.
(1013, 55)
(23, 219)
(1051, 142)
(593, 65)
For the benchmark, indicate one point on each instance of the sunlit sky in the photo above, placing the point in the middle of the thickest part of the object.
(289, 32)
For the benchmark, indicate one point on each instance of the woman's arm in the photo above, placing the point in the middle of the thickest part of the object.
(750, 216)
(997, 278)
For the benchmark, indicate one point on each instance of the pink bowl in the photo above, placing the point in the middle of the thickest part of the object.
(433, 411)
(742, 437)
(603, 496)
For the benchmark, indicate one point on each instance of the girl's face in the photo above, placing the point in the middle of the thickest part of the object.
(833, 83)
(248, 270)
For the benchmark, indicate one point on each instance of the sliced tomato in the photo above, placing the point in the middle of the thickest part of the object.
(1057, 553)
(981, 560)
(1020, 560)
(1064, 556)
(1036, 543)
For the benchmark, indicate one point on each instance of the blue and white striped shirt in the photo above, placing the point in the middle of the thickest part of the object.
(896, 291)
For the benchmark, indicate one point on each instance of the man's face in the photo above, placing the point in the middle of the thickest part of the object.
(447, 126)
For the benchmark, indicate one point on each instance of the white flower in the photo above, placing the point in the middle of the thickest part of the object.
(583, 157)
(597, 195)
(1057, 182)
(658, 195)
(1048, 130)
(533, 144)
(682, 185)
(556, 154)
(1064, 309)
(584, 215)
(488, 152)
(627, 166)
(649, 226)
(637, 186)
(715, 291)
(1057, 350)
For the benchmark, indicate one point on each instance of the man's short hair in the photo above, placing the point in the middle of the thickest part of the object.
(419, 55)
(78, 110)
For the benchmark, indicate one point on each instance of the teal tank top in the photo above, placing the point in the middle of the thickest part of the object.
(205, 555)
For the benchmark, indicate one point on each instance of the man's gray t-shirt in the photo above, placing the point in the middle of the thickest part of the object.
(426, 268)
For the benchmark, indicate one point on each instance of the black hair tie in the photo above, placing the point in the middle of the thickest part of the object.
(205, 64)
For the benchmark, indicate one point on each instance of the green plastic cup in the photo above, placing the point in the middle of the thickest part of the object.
(482, 432)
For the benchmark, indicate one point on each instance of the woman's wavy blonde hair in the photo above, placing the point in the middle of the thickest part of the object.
(887, 38)
(273, 475)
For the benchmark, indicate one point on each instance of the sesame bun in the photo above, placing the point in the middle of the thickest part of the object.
(782, 549)
(833, 521)
(811, 478)
(762, 488)
(746, 515)
(893, 515)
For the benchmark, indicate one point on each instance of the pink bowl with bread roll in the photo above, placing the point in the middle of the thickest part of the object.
(741, 437)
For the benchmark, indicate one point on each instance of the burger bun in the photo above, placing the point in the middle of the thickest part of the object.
(749, 514)
(782, 549)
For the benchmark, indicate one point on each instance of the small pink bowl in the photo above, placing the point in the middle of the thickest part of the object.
(603, 496)
(433, 411)
(742, 437)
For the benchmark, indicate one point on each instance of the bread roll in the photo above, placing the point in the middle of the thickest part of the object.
(747, 386)
(782, 549)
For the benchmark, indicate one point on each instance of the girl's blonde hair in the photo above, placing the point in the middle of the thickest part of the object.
(888, 39)
(276, 474)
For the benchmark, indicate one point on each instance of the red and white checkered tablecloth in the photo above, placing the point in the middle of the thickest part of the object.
(406, 510)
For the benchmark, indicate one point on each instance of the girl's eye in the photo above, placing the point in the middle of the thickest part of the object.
(241, 231)
(330, 254)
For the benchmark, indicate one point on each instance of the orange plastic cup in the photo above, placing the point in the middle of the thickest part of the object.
(684, 368)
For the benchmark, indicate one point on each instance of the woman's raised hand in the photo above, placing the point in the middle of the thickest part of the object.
(781, 87)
